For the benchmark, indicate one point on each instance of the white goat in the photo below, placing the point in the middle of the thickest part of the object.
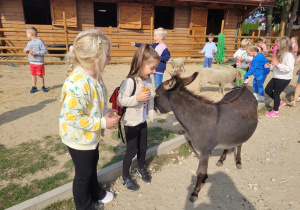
(177, 64)
(217, 76)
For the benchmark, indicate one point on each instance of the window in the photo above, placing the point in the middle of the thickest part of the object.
(105, 14)
(164, 17)
(37, 12)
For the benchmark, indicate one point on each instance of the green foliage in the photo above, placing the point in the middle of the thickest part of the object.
(64, 204)
(185, 150)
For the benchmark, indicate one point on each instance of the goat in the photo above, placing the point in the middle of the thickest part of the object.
(177, 64)
(218, 76)
(223, 125)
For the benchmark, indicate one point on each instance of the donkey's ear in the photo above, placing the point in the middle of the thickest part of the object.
(170, 83)
(188, 80)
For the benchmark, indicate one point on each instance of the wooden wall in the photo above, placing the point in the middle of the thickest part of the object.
(12, 13)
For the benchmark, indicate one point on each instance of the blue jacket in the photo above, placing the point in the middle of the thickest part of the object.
(257, 66)
(165, 56)
(209, 46)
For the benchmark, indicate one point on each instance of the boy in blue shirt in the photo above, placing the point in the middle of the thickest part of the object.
(161, 48)
(209, 49)
(259, 72)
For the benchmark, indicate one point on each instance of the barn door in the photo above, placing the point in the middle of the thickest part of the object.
(130, 15)
(198, 22)
(147, 13)
(67, 6)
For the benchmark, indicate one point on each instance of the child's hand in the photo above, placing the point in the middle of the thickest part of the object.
(238, 57)
(213, 50)
(111, 120)
(28, 50)
(275, 63)
(132, 44)
(241, 78)
(297, 73)
(32, 52)
(143, 96)
(267, 65)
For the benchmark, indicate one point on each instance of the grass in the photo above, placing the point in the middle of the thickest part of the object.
(13, 194)
(64, 204)
(161, 121)
(38, 155)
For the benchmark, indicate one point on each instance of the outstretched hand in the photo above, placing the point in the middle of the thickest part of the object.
(267, 65)
(132, 44)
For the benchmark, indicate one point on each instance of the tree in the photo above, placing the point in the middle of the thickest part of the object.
(293, 15)
(269, 21)
(285, 15)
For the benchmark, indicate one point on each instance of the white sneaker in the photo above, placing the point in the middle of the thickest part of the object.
(256, 95)
(298, 99)
(260, 98)
(108, 198)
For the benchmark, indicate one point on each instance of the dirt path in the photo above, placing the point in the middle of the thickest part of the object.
(269, 178)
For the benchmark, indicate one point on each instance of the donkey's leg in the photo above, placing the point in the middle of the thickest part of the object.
(238, 159)
(201, 176)
(222, 158)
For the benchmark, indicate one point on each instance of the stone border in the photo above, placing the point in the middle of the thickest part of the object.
(107, 174)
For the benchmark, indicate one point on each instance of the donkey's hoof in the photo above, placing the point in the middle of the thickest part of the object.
(219, 163)
(193, 198)
(239, 166)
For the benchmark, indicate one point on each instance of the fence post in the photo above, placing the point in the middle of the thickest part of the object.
(151, 30)
(66, 32)
(258, 34)
(18, 37)
(253, 34)
(282, 29)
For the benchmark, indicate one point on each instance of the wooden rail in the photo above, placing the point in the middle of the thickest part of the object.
(121, 47)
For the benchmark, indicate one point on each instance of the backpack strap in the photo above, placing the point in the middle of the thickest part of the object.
(120, 134)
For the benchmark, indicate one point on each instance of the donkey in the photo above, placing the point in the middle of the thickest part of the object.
(223, 125)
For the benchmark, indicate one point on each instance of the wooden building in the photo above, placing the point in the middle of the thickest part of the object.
(129, 18)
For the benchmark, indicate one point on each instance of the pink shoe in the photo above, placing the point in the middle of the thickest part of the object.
(282, 103)
(272, 114)
(108, 198)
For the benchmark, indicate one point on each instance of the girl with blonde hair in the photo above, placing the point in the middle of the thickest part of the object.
(294, 41)
(84, 115)
(282, 68)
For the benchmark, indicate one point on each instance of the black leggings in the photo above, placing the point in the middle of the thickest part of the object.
(136, 139)
(86, 189)
(274, 88)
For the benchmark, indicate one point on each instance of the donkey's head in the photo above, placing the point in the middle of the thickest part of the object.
(163, 92)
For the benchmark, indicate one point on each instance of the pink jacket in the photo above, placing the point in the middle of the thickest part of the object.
(274, 49)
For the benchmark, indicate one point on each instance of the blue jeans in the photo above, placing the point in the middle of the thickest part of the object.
(207, 62)
(258, 84)
(157, 79)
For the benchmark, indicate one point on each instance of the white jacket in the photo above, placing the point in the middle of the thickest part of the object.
(243, 54)
(284, 70)
(134, 112)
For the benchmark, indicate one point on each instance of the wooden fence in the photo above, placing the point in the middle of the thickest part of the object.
(188, 49)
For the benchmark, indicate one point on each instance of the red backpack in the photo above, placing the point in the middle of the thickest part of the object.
(121, 110)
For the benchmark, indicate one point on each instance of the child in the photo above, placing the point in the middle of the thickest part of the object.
(263, 45)
(243, 60)
(274, 49)
(161, 48)
(143, 64)
(84, 114)
(209, 50)
(259, 72)
(283, 68)
(36, 49)
(297, 90)
(294, 41)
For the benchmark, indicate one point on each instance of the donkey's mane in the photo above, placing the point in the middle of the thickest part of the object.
(184, 90)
